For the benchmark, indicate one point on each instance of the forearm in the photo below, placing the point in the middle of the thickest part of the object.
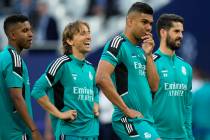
(109, 90)
(49, 107)
(152, 74)
(22, 110)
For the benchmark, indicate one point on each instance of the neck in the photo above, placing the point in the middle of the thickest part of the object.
(165, 49)
(130, 37)
(79, 55)
(14, 45)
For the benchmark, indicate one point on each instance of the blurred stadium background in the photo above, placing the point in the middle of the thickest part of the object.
(107, 18)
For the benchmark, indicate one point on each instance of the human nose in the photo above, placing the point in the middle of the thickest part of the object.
(149, 28)
(88, 35)
(30, 33)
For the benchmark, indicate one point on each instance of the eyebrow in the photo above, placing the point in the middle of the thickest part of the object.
(147, 20)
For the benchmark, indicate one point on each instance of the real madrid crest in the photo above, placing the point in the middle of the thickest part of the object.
(184, 71)
(90, 76)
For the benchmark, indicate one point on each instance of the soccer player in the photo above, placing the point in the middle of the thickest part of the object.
(127, 75)
(200, 112)
(15, 105)
(172, 105)
(70, 82)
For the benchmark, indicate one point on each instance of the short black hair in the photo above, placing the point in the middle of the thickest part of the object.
(165, 21)
(12, 20)
(141, 8)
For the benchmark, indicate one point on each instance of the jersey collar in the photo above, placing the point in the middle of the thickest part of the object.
(125, 37)
(77, 61)
(163, 54)
(10, 47)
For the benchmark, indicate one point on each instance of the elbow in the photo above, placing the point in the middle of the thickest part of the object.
(99, 80)
(155, 87)
(16, 97)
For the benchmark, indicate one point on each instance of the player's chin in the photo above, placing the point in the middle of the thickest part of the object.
(88, 48)
(178, 45)
(28, 46)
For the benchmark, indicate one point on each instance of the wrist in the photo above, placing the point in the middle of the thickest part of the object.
(148, 54)
(34, 130)
(125, 110)
(60, 116)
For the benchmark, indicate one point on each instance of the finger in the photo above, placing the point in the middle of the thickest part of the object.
(74, 114)
(96, 114)
(72, 117)
(149, 33)
(149, 42)
(145, 37)
(148, 39)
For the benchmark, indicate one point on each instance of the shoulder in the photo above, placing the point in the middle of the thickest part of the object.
(114, 45)
(13, 57)
(7, 55)
(89, 64)
(156, 56)
(181, 60)
(57, 63)
(185, 63)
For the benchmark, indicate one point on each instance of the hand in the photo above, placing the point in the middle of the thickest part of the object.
(69, 115)
(36, 135)
(96, 109)
(148, 44)
(48, 136)
(133, 113)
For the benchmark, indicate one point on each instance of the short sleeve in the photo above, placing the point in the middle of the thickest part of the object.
(112, 50)
(13, 71)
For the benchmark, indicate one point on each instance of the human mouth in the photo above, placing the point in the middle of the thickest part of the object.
(87, 43)
(30, 41)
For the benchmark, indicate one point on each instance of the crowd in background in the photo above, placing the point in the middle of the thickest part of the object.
(47, 28)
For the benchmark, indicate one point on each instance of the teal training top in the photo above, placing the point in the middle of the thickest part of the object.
(201, 103)
(129, 76)
(13, 74)
(71, 86)
(172, 104)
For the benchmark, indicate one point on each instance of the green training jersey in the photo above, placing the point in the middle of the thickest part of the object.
(13, 74)
(200, 103)
(129, 76)
(172, 104)
(71, 85)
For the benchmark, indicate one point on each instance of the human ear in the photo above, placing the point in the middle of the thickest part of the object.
(69, 42)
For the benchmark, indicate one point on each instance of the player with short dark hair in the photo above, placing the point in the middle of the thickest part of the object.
(172, 104)
(15, 105)
(127, 75)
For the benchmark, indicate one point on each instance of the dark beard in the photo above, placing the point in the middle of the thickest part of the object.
(139, 40)
(172, 44)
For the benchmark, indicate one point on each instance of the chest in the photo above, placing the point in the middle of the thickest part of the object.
(80, 76)
(173, 72)
(135, 61)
